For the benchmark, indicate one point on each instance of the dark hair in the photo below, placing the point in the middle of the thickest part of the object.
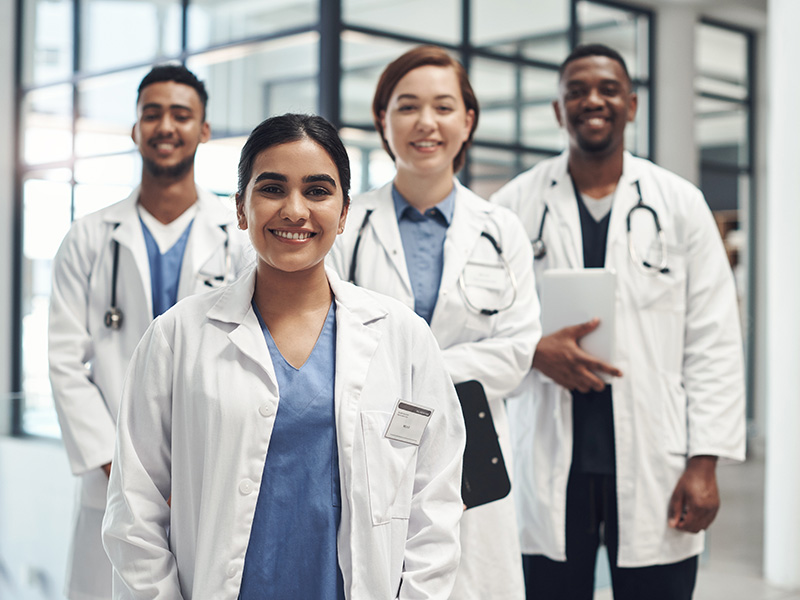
(419, 57)
(584, 50)
(292, 128)
(178, 74)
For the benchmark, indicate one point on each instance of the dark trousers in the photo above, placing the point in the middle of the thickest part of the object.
(592, 515)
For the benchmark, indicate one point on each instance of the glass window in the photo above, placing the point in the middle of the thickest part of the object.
(637, 133)
(491, 168)
(107, 112)
(47, 125)
(722, 131)
(46, 41)
(115, 33)
(499, 91)
(364, 57)
(46, 220)
(104, 180)
(625, 31)
(370, 165)
(246, 84)
(212, 23)
(721, 61)
(438, 21)
(216, 165)
(539, 126)
(535, 30)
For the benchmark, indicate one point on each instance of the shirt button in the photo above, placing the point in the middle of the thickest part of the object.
(245, 487)
(265, 410)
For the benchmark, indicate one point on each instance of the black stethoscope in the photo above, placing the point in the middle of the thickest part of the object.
(113, 318)
(540, 249)
(461, 284)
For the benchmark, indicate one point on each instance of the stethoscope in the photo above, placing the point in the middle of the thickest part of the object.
(113, 318)
(540, 249)
(461, 283)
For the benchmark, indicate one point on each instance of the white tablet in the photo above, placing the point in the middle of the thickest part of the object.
(574, 296)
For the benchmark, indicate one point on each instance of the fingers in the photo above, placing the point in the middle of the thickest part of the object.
(582, 329)
(675, 512)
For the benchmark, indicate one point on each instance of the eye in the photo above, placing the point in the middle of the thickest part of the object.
(405, 108)
(319, 191)
(445, 109)
(270, 189)
(573, 93)
(150, 117)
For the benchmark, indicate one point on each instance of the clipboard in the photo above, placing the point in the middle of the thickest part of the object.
(574, 296)
(484, 477)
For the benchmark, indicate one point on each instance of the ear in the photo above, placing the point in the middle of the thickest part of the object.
(343, 217)
(205, 132)
(557, 111)
(133, 134)
(469, 121)
(382, 119)
(633, 104)
(242, 220)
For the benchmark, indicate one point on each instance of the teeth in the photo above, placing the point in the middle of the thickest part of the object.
(293, 235)
(595, 121)
(165, 146)
(425, 144)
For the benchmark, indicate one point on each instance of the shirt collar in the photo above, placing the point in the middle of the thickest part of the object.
(445, 208)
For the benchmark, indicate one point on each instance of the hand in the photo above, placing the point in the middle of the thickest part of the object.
(559, 356)
(695, 501)
(107, 469)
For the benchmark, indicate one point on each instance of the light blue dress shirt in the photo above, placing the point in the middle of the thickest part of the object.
(423, 238)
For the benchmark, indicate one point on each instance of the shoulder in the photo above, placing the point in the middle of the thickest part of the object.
(529, 184)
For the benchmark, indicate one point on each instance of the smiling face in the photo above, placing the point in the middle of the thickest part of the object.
(293, 206)
(595, 104)
(426, 122)
(170, 125)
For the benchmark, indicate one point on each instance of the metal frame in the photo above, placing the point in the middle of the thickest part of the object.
(330, 26)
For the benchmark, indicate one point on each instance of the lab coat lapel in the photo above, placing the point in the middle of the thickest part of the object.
(129, 235)
(234, 307)
(206, 238)
(356, 342)
(563, 209)
(387, 233)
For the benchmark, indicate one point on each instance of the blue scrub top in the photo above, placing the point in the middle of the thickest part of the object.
(292, 550)
(423, 238)
(165, 269)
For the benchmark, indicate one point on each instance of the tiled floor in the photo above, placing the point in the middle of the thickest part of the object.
(731, 569)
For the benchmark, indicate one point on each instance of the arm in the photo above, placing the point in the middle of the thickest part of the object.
(502, 359)
(432, 548)
(87, 426)
(138, 514)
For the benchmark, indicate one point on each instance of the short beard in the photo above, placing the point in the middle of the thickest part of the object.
(594, 147)
(172, 172)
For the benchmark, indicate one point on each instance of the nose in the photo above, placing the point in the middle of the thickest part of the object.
(166, 124)
(593, 98)
(427, 119)
(294, 208)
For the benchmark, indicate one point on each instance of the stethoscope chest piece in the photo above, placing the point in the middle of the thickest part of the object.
(539, 249)
(113, 318)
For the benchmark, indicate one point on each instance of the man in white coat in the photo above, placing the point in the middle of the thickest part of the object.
(630, 464)
(115, 270)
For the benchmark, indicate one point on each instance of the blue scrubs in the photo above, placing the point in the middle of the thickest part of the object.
(292, 550)
(423, 238)
(165, 269)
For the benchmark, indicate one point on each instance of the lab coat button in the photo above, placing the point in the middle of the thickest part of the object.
(245, 487)
(232, 570)
(265, 410)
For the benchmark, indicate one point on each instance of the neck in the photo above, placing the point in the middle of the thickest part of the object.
(167, 199)
(423, 192)
(279, 293)
(595, 176)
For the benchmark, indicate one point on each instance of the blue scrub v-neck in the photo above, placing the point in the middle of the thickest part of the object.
(292, 550)
(165, 269)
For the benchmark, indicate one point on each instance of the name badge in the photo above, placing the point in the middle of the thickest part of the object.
(408, 423)
(490, 277)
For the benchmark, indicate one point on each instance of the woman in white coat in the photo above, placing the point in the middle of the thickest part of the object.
(290, 436)
(431, 243)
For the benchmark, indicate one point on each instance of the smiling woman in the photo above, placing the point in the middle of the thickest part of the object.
(258, 433)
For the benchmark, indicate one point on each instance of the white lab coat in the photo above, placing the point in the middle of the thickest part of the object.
(678, 345)
(197, 413)
(88, 361)
(495, 350)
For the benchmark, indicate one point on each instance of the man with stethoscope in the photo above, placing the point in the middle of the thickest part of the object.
(631, 464)
(115, 271)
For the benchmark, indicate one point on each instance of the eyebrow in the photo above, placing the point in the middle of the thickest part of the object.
(156, 106)
(415, 97)
(272, 176)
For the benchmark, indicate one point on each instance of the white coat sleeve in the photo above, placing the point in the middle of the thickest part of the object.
(501, 360)
(713, 370)
(137, 514)
(433, 550)
(87, 426)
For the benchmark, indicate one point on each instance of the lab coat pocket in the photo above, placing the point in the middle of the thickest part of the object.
(653, 290)
(675, 414)
(94, 487)
(390, 469)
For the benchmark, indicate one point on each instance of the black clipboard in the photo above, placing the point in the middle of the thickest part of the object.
(485, 478)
